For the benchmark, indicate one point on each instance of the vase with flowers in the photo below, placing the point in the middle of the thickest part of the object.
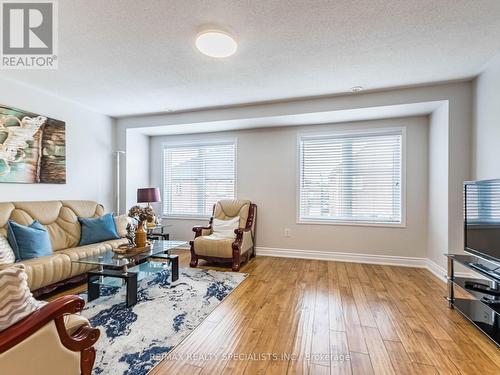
(141, 215)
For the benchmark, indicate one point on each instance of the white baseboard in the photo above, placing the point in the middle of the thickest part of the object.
(436, 269)
(342, 257)
(441, 272)
(389, 260)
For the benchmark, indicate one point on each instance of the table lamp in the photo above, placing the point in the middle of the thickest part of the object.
(149, 195)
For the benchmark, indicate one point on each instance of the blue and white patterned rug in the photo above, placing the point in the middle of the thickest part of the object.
(133, 339)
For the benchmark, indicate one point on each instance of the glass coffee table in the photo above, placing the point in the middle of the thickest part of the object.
(114, 269)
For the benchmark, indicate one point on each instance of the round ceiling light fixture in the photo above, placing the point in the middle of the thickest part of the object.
(216, 44)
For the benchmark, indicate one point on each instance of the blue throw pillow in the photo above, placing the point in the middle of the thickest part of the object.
(29, 242)
(97, 230)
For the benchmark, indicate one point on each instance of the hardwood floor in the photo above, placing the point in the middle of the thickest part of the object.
(296, 316)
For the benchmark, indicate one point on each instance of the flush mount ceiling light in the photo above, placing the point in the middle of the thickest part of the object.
(357, 88)
(216, 44)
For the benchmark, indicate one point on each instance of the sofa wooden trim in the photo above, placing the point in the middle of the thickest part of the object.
(82, 340)
(237, 258)
(78, 279)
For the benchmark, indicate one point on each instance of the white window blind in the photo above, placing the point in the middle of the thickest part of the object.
(195, 176)
(352, 178)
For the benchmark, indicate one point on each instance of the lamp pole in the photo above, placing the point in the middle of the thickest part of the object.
(118, 182)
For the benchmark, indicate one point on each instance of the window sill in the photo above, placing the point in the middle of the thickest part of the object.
(173, 217)
(351, 223)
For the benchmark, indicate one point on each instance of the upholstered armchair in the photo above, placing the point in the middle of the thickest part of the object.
(50, 341)
(235, 250)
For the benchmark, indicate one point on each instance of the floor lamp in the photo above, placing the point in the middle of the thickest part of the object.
(118, 182)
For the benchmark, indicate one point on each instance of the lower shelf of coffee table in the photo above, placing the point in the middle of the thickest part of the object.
(143, 270)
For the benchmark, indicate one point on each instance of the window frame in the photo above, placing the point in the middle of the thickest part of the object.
(165, 145)
(347, 133)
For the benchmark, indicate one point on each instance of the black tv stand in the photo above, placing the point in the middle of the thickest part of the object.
(487, 270)
(483, 288)
(483, 309)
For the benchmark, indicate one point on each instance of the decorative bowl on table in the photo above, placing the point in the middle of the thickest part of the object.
(129, 249)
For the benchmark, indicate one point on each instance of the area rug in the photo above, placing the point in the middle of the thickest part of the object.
(133, 340)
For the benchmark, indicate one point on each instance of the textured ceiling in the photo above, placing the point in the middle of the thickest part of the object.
(123, 57)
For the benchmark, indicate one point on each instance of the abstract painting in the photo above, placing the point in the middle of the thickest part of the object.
(32, 148)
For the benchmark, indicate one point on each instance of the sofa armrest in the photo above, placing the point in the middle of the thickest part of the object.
(81, 339)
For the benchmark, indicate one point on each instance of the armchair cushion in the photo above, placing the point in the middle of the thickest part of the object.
(16, 300)
(214, 247)
(211, 246)
(227, 209)
(224, 229)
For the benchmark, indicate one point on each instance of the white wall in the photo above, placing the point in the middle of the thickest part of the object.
(460, 112)
(89, 148)
(137, 166)
(487, 122)
(456, 96)
(437, 232)
(267, 175)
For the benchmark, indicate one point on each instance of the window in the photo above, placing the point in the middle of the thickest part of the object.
(351, 178)
(195, 176)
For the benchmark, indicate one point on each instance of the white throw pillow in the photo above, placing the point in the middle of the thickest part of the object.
(121, 223)
(224, 229)
(16, 300)
(6, 253)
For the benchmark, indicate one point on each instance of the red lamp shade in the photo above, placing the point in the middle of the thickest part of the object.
(148, 195)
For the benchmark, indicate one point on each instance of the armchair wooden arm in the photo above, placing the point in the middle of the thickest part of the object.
(81, 340)
(239, 232)
(198, 229)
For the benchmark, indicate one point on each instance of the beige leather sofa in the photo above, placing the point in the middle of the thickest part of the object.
(60, 218)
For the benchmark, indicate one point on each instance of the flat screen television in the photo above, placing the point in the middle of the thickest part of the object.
(482, 218)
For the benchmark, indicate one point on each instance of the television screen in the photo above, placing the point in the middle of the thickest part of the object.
(482, 218)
